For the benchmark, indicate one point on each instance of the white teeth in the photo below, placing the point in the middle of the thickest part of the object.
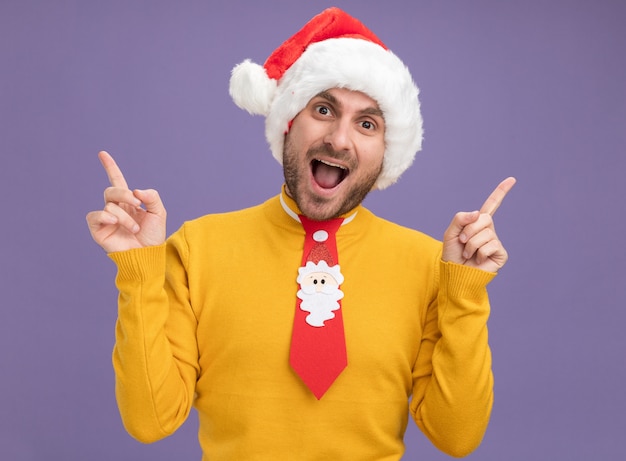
(331, 164)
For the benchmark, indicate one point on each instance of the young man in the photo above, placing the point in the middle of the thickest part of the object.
(300, 328)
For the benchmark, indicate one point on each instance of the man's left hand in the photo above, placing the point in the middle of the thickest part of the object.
(471, 237)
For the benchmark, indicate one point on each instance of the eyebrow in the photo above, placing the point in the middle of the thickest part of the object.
(367, 111)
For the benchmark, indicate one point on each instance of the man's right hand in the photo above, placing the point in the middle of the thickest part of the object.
(123, 224)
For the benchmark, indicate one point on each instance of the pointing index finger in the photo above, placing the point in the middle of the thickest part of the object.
(497, 196)
(116, 178)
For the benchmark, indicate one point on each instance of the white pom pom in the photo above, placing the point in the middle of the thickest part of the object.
(251, 88)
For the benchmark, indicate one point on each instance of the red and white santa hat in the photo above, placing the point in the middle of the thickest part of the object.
(333, 50)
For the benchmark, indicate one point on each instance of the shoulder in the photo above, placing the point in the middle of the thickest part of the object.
(221, 226)
(398, 235)
(227, 219)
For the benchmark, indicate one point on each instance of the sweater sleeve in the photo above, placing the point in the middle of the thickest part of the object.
(155, 356)
(453, 381)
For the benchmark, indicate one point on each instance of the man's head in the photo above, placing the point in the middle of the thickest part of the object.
(334, 153)
(333, 51)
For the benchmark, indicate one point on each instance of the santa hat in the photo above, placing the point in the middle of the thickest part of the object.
(333, 50)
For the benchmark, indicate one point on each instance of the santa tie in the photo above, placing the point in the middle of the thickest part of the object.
(318, 345)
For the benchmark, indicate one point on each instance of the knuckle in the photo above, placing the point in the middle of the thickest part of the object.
(486, 219)
(111, 207)
(111, 194)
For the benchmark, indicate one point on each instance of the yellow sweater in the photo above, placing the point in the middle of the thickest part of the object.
(206, 321)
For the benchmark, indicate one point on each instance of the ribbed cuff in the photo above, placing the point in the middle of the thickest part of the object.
(140, 263)
(463, 281)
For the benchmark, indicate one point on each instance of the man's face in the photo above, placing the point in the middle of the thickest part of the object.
(334, 153)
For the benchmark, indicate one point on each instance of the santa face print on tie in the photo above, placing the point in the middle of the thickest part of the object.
(319, 291)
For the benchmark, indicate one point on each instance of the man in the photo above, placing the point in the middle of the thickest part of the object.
(301, 328)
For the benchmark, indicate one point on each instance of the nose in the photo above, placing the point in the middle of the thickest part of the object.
(339, 135)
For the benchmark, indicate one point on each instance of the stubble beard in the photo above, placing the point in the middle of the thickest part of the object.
(317, 209)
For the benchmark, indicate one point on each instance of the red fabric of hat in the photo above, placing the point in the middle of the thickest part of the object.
(331, 23)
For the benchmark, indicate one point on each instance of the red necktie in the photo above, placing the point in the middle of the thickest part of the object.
(318, 345)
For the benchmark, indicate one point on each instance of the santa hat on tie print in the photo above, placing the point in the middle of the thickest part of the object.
(333, 50)
(320, 252)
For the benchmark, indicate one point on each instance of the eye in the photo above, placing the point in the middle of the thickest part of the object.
(322, 110)
(368, 125)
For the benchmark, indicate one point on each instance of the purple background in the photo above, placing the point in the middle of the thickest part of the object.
(535, 89)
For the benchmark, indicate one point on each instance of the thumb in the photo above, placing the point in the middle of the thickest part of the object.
(460, 220)
(151, 200)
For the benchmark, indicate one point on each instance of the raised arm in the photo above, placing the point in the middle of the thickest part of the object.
(154, 376)
(453, 387)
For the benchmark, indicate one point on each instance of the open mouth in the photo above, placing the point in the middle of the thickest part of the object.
(328, 175)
